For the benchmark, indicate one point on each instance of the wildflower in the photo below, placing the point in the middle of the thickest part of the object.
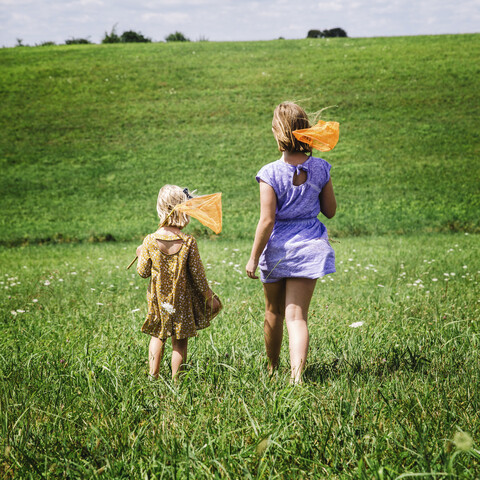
(434, 279)
(135, 310)
(98, 303)
(46, 283)
(13, 312)
(356, 324)
(168, 307)
(20, 310)
(463, 441)
(35, 300)
(381, 286)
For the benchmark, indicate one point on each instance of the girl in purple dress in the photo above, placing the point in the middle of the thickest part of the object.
(291, 245)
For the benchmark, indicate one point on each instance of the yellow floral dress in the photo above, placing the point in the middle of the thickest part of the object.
(178, 288)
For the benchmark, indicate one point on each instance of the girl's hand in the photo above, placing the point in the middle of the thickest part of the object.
(251, 267)
(139, 250)
(215, 304)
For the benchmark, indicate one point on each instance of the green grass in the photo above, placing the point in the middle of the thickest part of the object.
(381, 400)
(89, 135)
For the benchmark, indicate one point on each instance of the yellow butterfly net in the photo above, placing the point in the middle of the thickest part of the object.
(323, 136)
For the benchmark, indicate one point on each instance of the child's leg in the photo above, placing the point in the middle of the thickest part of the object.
(298, 294)
(155, 355)
(179, 355)
(273, 326)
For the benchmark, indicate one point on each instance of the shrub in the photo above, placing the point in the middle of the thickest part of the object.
(134, 37)
(176, 37)
(111, 37)
(77, 41)
(333, 32)
(46, 44)
(315, 34)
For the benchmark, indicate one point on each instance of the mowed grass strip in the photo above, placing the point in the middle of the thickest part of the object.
(90, 133)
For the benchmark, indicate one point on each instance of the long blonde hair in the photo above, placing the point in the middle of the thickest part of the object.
(287, 117)
(168, 197)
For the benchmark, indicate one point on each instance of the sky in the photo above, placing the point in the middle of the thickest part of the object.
(37, 21)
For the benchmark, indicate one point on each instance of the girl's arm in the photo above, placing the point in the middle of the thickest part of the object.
(144, 266)
(328, 204)
(268, 207)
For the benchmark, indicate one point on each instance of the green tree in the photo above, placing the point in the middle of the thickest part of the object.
(134, 37)
(176, 37)
(111, 37)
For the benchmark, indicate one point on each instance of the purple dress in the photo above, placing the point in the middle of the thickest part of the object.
(298, 245)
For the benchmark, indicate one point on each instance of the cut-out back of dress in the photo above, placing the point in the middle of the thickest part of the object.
(169, 245)
(299, 178)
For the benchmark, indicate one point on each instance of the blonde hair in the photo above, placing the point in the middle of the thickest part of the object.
(287, 117)
(168, 197)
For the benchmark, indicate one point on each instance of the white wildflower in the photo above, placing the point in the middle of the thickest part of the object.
(13, 312)
(381, 286)
(46, 283)
(135, 310)
(168, 307)
(356, 324)
(434, 279)
(463, 441)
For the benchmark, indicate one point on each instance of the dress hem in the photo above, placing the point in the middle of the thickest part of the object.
(316, 277)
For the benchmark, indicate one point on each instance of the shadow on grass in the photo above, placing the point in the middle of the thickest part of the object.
(395, 359)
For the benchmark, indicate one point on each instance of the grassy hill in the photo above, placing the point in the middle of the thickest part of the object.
(90, 133)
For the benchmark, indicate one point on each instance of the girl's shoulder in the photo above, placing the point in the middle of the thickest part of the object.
(271, 170)
(319, 164)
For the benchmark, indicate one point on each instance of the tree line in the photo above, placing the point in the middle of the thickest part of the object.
(130, 36)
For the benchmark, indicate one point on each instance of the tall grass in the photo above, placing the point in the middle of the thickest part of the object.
(389, 397)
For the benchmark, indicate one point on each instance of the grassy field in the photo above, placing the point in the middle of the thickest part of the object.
(90, 133)
(392, 396)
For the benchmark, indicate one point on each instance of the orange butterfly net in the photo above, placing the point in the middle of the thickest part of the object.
(207, 209)
(323, 136)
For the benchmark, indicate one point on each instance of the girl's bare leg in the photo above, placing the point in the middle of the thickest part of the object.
(155, 355)
(273, 326)
(179, 355)
(298, 293)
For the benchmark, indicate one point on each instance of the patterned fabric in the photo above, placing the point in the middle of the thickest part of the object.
(177, 291)
(298, 245)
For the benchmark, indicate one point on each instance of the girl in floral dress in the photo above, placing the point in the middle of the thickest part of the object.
(291, 245)
(180, 301)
